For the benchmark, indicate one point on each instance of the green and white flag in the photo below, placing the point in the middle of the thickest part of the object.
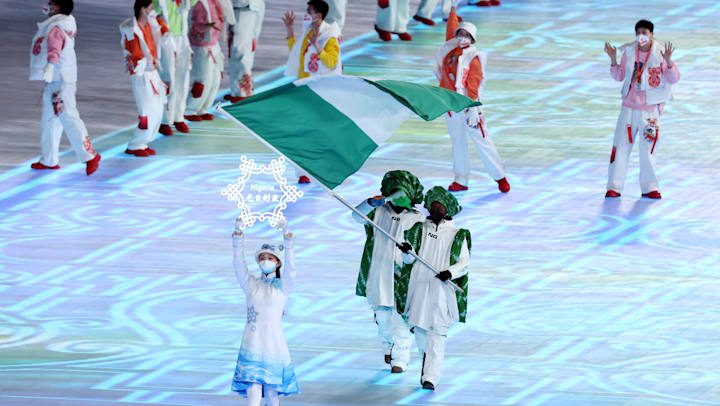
(330, 125)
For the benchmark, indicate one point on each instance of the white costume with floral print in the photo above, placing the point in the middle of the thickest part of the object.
(264, 357)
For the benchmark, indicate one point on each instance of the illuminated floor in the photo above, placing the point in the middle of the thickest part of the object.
(118, 288)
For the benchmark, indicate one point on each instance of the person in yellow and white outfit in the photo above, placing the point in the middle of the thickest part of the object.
(140, 35)
(319, 51)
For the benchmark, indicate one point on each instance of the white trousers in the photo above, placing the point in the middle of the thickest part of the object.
(394, 17)
(149, 92)
(176, 57)
(337, 12)
(59, 111)
(459, 132)
(205, 79)
(255, 395)
(243, 40)
(428, 6)
(631, 128)
(431, 346)
(395, 335)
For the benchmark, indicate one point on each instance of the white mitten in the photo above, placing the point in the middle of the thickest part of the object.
(239, 225)
(282, 225)
(49, 73)
(473, 116)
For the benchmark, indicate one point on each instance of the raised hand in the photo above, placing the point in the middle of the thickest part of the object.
(612, 52)
(667, 52)
(238, 227)
(289, 21)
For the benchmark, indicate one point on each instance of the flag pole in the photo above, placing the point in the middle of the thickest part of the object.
(341, 200)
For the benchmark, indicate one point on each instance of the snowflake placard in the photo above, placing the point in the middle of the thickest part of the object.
(262, 194)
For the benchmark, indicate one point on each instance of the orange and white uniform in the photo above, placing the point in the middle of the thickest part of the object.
(141, 62)
(52, 60)
(463, 70)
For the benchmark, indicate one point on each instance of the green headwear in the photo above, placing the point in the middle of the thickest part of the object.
(441, 195)
(404, 181)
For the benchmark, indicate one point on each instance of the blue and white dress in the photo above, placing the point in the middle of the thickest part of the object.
(264, 357)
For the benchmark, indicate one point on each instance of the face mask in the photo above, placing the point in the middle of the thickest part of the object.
(436, 216)
(267, 267)
(463, 42)
(642, 39)
(400, 199)
(46, 10)
(307, 22)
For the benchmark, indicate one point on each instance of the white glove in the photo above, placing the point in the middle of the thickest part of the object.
(473, 116)
(49, 73)
(282, 225)
(141, 65)
(239, 226)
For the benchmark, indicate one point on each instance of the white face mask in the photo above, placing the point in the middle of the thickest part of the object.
(463, 42)
(642, 39)
(307, 22)
(267, 266)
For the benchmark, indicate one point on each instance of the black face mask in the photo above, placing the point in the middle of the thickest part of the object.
(436, 217)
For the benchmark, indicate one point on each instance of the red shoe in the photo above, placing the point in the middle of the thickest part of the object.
(503, 185)
(38, 165)
(193, 117)
(92, 165)
(233, 99)
(181, 127)
(384, 35)
(165, 130)
(405, 36)
(150, 151)
(456, 187)
(137, 152)
(652, 195)
(424, 20)
(304, 179)
(483, 3)
(495, 2)
(207, 116)
(612, 193)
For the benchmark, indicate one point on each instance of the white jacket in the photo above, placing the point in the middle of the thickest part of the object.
(327, 31)
(652, 82)
(432, 303)
(66, 67)
(469, 53)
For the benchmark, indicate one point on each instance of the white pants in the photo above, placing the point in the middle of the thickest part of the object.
(633, 124)
(60, 112)
(149, 92)
(431, 346)
(255, 395)
(395, 335)
(394, 17)
(176, 57)
(337, 12)
(243, 40)
(205, 79)
(459, 132)
(427, 6)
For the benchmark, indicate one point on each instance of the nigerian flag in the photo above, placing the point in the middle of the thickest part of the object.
(330, 125)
